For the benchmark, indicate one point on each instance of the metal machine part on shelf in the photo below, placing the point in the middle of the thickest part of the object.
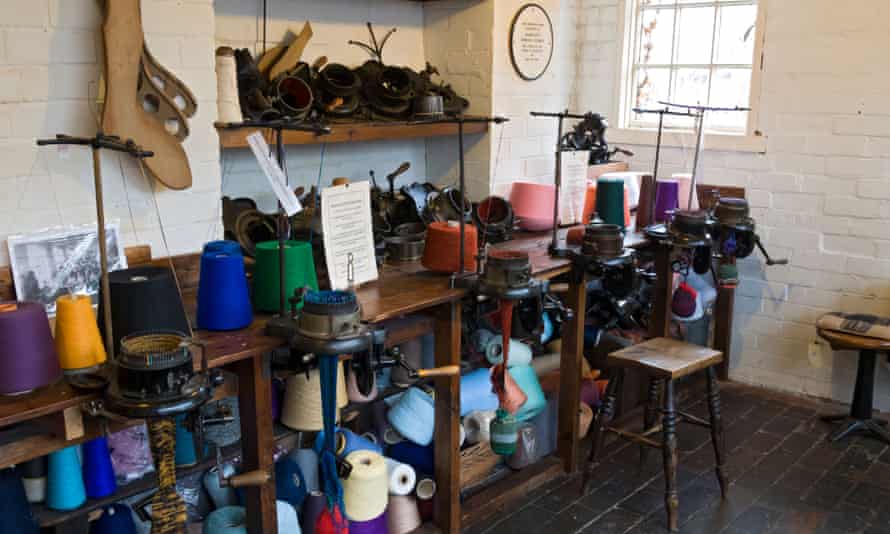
(590, 134)
(391, 208)
(446, 206)
(494, 219)
(506, 275)
(406, 243)
(154, 376)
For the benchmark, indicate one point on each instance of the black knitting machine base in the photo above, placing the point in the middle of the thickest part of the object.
(533, 289)
(145, 409)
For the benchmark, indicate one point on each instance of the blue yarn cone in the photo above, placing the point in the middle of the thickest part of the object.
(115, 519)
(65, 490)
(223, 302)
(186, 453)
(418, 457)
(14, 508)
(290, 485)
(98, 474)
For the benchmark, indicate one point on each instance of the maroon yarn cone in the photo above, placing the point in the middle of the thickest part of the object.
(28, 357)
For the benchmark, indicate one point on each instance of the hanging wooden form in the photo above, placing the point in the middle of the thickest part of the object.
(143, 100)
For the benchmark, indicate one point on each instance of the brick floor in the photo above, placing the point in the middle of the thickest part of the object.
(785, 478)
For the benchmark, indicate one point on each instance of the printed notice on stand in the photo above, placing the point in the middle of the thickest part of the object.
(348, 239)
(574, 186)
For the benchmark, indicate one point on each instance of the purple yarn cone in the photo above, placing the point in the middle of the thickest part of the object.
(378, 525)
(667, 194)
(28, 357)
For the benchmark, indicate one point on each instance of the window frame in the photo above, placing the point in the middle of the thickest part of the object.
(751, 140)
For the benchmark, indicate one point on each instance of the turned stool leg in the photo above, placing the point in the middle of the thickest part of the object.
(669, 450)
(603, 417)
(861, 418)
(717, 437)
(650, 414)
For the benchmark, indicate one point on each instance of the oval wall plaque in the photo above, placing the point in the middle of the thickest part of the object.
(531, 41)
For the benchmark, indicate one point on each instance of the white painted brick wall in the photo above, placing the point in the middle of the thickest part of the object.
(821, 193)
(49, 70)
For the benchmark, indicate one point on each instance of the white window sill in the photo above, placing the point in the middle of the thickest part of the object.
(686, 139)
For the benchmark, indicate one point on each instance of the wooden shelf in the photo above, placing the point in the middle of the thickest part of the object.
(355, 132)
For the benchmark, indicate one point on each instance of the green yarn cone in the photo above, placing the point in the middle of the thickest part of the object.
(610, 200)
(504, 431)
(299, 272)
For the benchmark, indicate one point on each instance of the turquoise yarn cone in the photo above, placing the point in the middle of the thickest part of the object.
(186, 453)
(610, 200)
(65, 490)
(98, 474)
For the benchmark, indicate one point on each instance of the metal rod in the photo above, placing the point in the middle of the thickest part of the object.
(562, 114)
(700, 134)
(702, 108)
(282, 222)
(103, 255)
(463, 194)
(557, 179)
(658, 146)
(665, 111)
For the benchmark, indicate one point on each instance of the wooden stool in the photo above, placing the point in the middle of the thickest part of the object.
(860, 418)
(665, 360)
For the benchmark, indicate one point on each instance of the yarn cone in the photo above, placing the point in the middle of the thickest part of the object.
(14, 507)
(115, 519)
(65, 490)
(78, 341)
(223, 301)
(98, 474)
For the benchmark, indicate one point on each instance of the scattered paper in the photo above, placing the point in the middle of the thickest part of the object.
(348, 239)
(274, 174)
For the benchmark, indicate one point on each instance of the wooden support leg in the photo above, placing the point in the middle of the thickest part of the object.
(447, 439)
(257, 441)
(570, 377)
(717, 436)
(669, 422)
(650, 414)
(723, 326)
(601, 423)
(661, 309)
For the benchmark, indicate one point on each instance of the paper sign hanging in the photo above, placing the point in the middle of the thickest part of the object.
(274, 174)
(574, 186)
(348, 239)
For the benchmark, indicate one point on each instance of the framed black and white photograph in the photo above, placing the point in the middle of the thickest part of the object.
(531, 42)
(51, 263)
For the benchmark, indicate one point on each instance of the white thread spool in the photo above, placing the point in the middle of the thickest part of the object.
(366, 489)
(402, 477)
(227, 103)
(477, 425)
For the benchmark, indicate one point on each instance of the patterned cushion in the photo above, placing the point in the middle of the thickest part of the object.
(857, 324)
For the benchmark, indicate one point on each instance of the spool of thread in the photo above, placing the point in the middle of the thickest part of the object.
(413, 416)
(526, 447)
(420, 458)
(610, 200)
(520, 353)
(115, 519)
(299, 272)
(585, 418)
(546, 429)
(477, 425)
(391, 436)
(404, 517)
(667, 194)
(14, 507)
(365, 490)
(313, 506)
(504, 429)
(228, 106)
(290, 485)
(441, 252)
(646, 207)
(28, 357)
(301, 409)
(426, 490)
(527, 380)
(221, 496)
(143, 299)
(65, 490)
(590, 394)
(78, 341)
(186, 450)
(331, 522)
(307, 460)
(631, 184)
(347, 442)
(352, 391)
(412, 352)
(226, 520)
(378, 525)
(402, 477)
(589, 202)
(476, 394)
(372, 437)
(463, 435)
(684, 186)
(223, 301)
(575, 236)
(33, 475)
(287, 518)
(533, 205)
(98, 475)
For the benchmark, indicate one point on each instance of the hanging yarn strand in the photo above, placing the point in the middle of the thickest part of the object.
(167, 507)
(505, 310)
(328, 366)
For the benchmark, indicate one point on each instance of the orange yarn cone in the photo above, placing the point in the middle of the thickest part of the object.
(78, 341)
(442, 250)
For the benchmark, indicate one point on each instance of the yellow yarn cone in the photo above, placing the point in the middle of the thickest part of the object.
(78, 341)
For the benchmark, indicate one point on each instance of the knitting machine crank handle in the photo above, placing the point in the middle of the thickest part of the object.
(249, 479)
(769, 261)
(391, 177)
(446, 370)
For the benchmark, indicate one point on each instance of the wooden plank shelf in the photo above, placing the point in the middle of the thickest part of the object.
(347, 132)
